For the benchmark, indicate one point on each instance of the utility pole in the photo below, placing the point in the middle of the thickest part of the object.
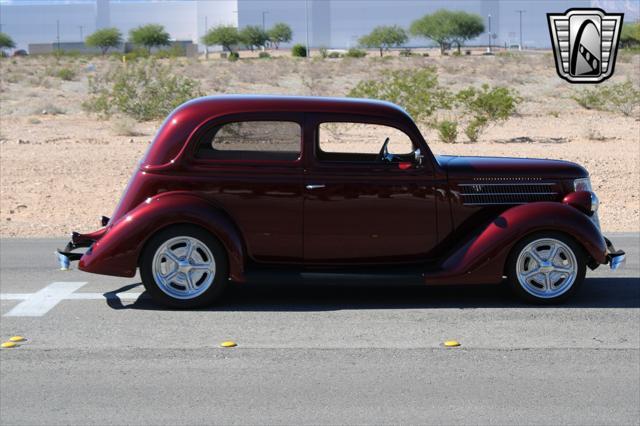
(58, 33)
(206, 48)
(81, 27)
(263, 20)
(489, 33)
(306, 18)
(520, 12)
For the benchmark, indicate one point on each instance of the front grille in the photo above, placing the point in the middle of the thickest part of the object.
(474, 194)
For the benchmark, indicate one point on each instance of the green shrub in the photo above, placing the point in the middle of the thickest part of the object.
(144, 90)
(406, 52)
(324, 52)
(299, 51)
(456, 53)
(622, 98)
(416, 90)
(136, 54)
(334, 55)
(474, 128)
(66, 74)
(447, 130)
(355, 53)
(264, 55)
(486, 105)
(233, 56)
(175, 51)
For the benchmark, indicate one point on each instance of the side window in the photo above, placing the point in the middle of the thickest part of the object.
(252, 140)
(338, 141)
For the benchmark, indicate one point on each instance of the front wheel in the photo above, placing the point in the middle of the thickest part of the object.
(546, 268)
(184, 267)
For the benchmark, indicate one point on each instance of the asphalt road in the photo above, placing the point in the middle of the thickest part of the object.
(101, 353)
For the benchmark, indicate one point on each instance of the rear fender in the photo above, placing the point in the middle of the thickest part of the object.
(117, 252)
(482, 259)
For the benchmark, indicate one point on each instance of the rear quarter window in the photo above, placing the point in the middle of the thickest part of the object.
(252, 140)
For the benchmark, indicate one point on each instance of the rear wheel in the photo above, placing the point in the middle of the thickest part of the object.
(546, 268)
(184, 267)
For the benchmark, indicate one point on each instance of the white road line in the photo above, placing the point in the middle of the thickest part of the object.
(41, 302)
(76, 296)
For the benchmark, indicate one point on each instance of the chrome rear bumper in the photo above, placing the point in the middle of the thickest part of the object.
(615, 258)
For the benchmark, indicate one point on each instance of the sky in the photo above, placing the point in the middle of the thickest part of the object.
(340, 26)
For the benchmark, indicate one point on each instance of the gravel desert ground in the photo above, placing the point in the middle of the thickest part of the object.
(60, 168)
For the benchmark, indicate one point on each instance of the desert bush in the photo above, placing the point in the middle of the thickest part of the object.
(447, 130)
(622, 98)
(485, 106)
(66, 74)
(324, 52)
(142, 90)
(125, 126)
(474, 128)
(135, 54)
(406, 52)
(299, 50)
(355, 53)
(175, 51)
(233, 56)
(416, 90)
(264, 55)
(334, 55)
(588, 99)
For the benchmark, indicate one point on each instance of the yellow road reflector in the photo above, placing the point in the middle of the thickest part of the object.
(9, 345)
(228, 344)
(451, 343)
(17, 339)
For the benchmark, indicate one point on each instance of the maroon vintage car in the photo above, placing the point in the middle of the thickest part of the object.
(263, 188)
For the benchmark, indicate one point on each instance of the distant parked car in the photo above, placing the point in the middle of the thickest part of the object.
(260, 188)
(20, 52)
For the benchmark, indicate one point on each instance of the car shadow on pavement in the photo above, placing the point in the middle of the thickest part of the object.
(595, 293)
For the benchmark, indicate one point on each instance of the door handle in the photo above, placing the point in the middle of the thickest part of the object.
(311, 186)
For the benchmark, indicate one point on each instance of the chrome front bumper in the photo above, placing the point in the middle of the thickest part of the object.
(615, 258)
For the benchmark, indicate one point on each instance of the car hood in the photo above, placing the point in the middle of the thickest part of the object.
(459, 167)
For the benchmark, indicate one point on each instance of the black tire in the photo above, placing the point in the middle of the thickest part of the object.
(220, 279)
(520, 290)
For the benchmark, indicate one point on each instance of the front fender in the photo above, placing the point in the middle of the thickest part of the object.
(482, 258)
(118, 250)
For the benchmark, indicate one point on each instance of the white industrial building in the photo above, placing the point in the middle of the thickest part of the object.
(329, 23)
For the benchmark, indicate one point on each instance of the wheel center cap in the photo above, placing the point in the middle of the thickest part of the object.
(184, 266)
(546, 266)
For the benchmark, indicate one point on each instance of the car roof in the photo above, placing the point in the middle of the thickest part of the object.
(295, 103)
(182, 122)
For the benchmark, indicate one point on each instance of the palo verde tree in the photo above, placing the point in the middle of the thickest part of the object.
(280, 33)
(466, 26)
(226, 36)
(149, 36)
(6, 42)
(253, 36)
(384, 38)
(105, 39)
(446, 27)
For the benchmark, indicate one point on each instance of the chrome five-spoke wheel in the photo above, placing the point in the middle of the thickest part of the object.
(184, 267)
(546, 267)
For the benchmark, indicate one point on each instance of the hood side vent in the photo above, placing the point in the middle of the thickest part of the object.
(485, 193)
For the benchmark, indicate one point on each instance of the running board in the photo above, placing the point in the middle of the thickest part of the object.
(410, 277)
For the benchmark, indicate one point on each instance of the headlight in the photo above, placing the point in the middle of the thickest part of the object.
(583, 184)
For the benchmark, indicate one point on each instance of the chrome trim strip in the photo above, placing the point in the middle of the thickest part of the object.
(618, 261)
(504, 184)
(509, 193)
